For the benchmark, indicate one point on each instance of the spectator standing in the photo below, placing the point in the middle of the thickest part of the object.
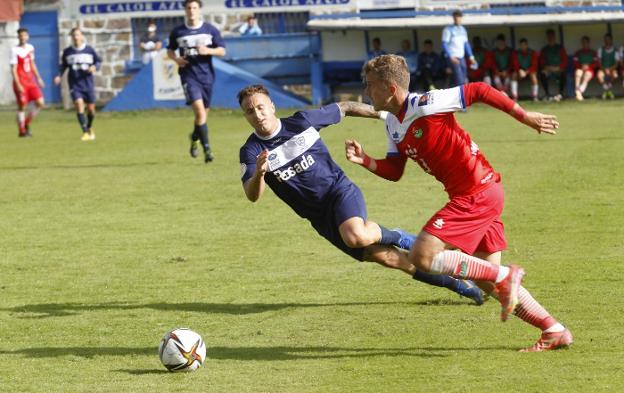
(553, 61)
(250, 28)
(456, 47)
(150, 44)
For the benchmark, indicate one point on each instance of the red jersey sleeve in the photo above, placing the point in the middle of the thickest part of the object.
(391, 167)
(482, 92)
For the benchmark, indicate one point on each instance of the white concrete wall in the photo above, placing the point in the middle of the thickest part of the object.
(8, 39)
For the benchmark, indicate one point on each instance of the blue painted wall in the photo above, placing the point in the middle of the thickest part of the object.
(43, 30)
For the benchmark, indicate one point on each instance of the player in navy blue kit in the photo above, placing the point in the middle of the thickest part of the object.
(196, 43)
(82, 62)
(289, 156)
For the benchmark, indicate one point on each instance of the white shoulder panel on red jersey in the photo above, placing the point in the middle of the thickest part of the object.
(420, 105)
(22, 52)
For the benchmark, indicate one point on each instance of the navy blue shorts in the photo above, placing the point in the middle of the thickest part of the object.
(194, 91)
(87, 96)
(345, 204)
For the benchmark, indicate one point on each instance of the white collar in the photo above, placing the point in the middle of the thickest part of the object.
(273, 134)
(197, 26)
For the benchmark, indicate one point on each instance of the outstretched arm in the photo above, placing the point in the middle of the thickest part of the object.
(358, 109)
(390, 168)
(481, 92)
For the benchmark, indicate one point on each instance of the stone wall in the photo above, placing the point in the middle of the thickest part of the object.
(112, 40)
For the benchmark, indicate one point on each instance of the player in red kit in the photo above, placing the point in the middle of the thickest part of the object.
(465, 238)
(26, 82)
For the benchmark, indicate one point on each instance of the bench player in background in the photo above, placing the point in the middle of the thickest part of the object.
(26, 82)
(585, 65)
(197, 42)
(526, 61)
(485, 62)
(290, 157)
(503, 66)
(609, 59)
(81, 61)
(423, 128)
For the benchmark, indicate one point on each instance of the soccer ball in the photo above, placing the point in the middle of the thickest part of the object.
(182, 349)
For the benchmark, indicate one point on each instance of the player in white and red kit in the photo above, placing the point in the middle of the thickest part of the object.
(465, 238)
(26, 82)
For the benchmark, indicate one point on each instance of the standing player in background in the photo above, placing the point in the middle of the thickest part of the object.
(485, 61)
(456, 47)
(553, 61)
(503, 67)
(585, 65)
(82, 62)
(609, 59)
(26, 82)
(151, 43)
(197, 42)
(525, 66)
(290, 157)
(423, 128)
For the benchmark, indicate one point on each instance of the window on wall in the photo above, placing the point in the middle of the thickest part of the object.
(283, 22)
(163, 28)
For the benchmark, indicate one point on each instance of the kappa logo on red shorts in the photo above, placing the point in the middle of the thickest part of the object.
(439, 223)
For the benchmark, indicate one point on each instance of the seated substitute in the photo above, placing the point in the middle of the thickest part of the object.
(503, 65)
(290, 157)
(585, 64)
(609, 59)
(525, 67)
(553, 61)
(484, 63)
(432, 70)
(411, 58)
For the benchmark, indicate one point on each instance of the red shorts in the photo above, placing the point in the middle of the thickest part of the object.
(31, 93)
(472, 223)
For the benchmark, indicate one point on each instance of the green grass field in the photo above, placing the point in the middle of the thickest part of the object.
(105, 246)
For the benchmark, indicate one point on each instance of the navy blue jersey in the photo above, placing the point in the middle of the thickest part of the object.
(78, 60)
(186, 40)
(301, 171)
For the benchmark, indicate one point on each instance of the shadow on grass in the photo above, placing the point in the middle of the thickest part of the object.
(276, 353)
(35, 311)
(153, 371)
(80, 166)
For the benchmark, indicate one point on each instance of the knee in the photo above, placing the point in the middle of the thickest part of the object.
(356, 238)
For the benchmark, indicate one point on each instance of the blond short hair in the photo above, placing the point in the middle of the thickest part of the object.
(390, 69)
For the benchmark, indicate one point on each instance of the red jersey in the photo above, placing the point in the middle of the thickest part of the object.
(23, 57)
(426, 131)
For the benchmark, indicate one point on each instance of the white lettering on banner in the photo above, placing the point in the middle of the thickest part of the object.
(292, 148)
(167, 86)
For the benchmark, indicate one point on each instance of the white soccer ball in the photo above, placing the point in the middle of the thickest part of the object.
(182, 349)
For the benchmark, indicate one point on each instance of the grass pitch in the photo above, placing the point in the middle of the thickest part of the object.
(105, 246)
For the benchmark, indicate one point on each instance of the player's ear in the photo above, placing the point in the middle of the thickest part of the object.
(392, 88)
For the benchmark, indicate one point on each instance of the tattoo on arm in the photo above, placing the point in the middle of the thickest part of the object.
(357, 109)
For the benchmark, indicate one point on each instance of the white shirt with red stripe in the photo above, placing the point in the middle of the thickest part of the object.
(23, 57)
